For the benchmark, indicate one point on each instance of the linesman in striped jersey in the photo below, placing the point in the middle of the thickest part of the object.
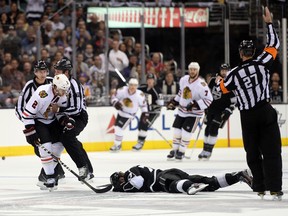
(73, 119)
(261, 135)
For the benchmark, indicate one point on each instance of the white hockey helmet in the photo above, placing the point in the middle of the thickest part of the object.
(194, 65)
(61, 82)
(133, 81)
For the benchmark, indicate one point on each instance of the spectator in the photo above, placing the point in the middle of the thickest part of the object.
(7, 57)
(83, 79)
(88, 55)
(4, 8)
(93, 25)
(97, 72)
(45, 57)
(12, 43)
(129, 46)
(13, 14)
(12, 75)
(98, 42)
(275, 77)
(127, 72)
(27, 71)
(56, 23)
(117, 59)
(34, 10)
(8, 97)
(81, 67)
(2, 34)
(66, 17)
(4, 22)
(29, 42)
(68, 52)
(51, 46)
(169, 85)
(156, 64)
(20, 28)
(82, 31)
(276, 94)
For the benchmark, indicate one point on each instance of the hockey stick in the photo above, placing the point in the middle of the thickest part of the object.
(118, 73)
(100, 189)
(195, 142)
(150, 123)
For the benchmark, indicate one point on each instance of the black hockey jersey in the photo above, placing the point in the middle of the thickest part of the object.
(141, 179)
(220, 100)
(155, 93)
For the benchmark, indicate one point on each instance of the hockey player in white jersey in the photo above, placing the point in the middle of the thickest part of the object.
(193, 98)
(127, 100)
(41, 126)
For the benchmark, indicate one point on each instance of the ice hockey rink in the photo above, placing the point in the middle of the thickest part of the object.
(19, 195)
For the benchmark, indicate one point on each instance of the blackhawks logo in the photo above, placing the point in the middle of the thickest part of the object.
(187, 93)
(127, 102)
(43, 94)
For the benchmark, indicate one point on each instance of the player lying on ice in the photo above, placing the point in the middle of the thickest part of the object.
(147, 179)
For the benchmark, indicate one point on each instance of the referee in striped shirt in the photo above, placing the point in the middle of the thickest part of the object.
(261, 135)
(74, 119)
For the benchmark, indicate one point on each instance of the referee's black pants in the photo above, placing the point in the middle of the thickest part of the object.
(262, 143)
(73, 146)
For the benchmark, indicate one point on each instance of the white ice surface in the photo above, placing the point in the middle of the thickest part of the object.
(19, 195)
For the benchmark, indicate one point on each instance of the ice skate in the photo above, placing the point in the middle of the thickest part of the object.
(204, 155)
(138, 146)
(276, 196)
(115, 148)
(171, 155)
(261, 194)
(83, 172)
(51, 184)
(89, 178)
(196, 187)
(246, 176)
(179, 156)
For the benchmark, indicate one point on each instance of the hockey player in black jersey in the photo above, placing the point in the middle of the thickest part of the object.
(154, 101)
(216, 114)
(146, 179)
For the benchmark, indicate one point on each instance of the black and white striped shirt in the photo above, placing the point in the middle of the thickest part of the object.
(250, 80)
(76, 99)
(26, 94)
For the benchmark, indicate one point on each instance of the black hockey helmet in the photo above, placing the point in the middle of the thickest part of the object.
(247, 47)
(114, 178)
(40, 65)
(225, 66)
(64, 64)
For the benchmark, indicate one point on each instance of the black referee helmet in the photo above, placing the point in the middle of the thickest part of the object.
(64, 64)
(247, 48)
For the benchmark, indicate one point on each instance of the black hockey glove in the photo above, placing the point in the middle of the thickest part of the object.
(67, 122)
(31, 135)
(144, 117)
(118, 105)
(226, 114)
(193, 105)
(172, 104)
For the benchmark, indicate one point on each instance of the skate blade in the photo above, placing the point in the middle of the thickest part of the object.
(203, 159)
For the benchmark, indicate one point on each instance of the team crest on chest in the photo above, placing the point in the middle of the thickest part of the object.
(127, 102)
(43, 94)
(187, 93)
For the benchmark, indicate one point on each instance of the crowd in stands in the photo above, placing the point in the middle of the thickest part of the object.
(18, 50)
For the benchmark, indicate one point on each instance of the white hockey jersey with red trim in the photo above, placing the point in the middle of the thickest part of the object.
(196, 90)
(131, 102)
(38, 106)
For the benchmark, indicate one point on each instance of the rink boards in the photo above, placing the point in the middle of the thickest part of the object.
(99, 133)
